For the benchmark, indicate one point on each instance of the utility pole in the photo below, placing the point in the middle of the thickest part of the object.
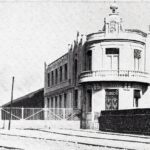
(10, 112)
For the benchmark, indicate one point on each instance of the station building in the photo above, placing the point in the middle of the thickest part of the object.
(106, 70)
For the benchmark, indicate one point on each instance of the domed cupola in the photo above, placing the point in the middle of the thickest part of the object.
(113, 23)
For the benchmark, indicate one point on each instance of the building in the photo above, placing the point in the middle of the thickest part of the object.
(106, 71)
(32, 100)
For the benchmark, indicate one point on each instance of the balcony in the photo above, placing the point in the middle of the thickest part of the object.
(114, 75)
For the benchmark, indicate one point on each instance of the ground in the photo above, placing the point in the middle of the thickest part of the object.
(67, 139)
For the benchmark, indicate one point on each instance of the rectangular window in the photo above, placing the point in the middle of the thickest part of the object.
(112, 51)
(66, 71)
(76, 99)
(137, 58)
(60, 101)
(48, 79)
(89, 100)
(60, 73)
(111, 99)
(56, 76)
(75, 69)
(112, 59)
(48, 103)
(137, 96)
(56, 102)
(51, 102)
(65, 100)
(52, 78)
(89, 60)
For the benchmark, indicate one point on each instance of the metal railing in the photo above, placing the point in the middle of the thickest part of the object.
(18, 113)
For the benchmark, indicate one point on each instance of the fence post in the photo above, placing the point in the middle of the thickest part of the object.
(22, 114)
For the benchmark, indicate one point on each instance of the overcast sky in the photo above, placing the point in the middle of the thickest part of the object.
(34, 32)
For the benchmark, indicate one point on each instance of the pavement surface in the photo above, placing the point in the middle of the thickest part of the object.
(63, 139)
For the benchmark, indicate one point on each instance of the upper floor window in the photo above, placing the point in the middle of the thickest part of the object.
(60, 73)
(66, 71)
(52, 78)
(89, 60)
(112, 51)
(75, 68)
(48, 79)
(137, 57)
(112, 59)
(56, 76)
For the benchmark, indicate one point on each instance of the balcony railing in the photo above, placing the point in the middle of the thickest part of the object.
(115, 75)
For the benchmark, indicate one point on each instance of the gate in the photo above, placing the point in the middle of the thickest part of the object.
(18, 113)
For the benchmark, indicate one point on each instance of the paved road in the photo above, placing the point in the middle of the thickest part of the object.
(71, 140)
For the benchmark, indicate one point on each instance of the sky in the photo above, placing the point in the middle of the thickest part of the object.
(34, 31)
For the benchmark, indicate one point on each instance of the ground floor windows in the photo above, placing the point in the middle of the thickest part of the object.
(51, 102)
(89, 100)
(111, 99)
(48, 102)
(58, 101)
(76, 99)
(65, 100)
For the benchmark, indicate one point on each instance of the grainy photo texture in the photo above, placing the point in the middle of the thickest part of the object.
(74, 75)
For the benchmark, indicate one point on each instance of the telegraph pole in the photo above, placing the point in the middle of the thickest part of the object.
(10, 117)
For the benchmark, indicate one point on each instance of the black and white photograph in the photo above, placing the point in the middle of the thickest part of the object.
(74, 75)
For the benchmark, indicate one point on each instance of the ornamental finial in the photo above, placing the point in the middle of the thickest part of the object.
(114, 7)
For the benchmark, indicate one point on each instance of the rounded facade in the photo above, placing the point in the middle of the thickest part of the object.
(115, 75)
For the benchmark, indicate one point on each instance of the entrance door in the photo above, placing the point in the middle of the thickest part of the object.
(111, 99)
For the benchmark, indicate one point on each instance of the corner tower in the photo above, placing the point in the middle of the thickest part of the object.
(114, 72)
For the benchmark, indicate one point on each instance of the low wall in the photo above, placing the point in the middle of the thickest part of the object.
(126, 121)
(38, 124)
